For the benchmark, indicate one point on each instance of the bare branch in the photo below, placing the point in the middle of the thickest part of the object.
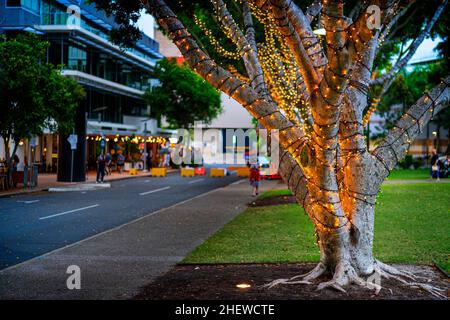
(395, 145)
(417, 42)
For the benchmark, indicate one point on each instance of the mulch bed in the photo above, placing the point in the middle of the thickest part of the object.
(218, 282)
(272, 201)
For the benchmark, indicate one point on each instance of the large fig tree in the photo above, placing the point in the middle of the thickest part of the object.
(315, 91)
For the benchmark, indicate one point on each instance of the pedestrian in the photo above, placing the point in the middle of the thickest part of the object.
(15, 163)
(101, 164)
(255, 178)
(108, 159)
(120, 162)
(447, 166)
(434, 170)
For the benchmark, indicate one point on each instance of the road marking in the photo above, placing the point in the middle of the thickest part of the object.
(153, 191)
(2, 271)
(28, 201)
(195, 181)
(147, 181)
(67, 212)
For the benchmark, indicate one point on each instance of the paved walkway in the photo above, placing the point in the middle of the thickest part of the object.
(116, 263)
(46, 181)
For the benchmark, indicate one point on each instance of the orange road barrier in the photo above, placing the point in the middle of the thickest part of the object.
(243, 172)
(133, 171)
(217, 172)
(159, 172)
(187, 172)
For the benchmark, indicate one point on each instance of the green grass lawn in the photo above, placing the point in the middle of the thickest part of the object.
(408, 174)
(276, 192)
(412, 225)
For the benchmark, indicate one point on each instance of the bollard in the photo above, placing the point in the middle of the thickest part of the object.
(159, 172)
(243, 172)
(217, 172)
(187, 172)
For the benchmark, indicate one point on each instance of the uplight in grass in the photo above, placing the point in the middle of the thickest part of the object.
(243, 286)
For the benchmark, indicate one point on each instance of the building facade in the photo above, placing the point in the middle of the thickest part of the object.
(233, 116)
(114, 113)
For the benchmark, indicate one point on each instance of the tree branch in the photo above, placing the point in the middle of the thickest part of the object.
(391, 23)
(291, 136)
(248, 49)
(327, 97)
(255, 71)
(396, 144)
(302, 26)
(417, 42)
(356, 10)
(279, 9)
(314, 9)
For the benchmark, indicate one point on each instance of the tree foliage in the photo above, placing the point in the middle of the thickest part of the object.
(182, 96)
(34, 94)
(407, 88)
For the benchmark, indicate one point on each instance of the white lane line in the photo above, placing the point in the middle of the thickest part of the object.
(153, 191)
(195, 181)
(67, 212)
(28, 201)
(108, 231)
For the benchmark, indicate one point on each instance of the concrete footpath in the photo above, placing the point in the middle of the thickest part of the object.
(116, 263)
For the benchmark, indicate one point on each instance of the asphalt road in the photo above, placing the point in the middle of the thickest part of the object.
(34, 224)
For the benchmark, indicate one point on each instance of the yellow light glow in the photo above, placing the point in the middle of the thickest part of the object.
(243, 286)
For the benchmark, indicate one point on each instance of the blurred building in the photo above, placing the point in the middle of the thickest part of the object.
(115, 79)
(233, 115)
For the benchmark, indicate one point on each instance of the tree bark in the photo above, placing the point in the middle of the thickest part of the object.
(326, 164)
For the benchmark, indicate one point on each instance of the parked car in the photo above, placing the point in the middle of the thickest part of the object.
(268, 170)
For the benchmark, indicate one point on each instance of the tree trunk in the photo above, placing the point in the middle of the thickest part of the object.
(324, 158)
(9, 157)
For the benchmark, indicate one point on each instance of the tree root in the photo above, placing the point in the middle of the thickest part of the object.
(345, 275)
(390, 272)
(306, 278)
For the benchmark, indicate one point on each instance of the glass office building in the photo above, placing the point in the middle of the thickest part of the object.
(114, 79)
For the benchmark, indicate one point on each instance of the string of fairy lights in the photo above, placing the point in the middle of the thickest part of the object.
(284, 79)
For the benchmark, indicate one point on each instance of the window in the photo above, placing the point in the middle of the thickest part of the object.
(13, 3)
(77, 59)
(53, 15)
(29, 4)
